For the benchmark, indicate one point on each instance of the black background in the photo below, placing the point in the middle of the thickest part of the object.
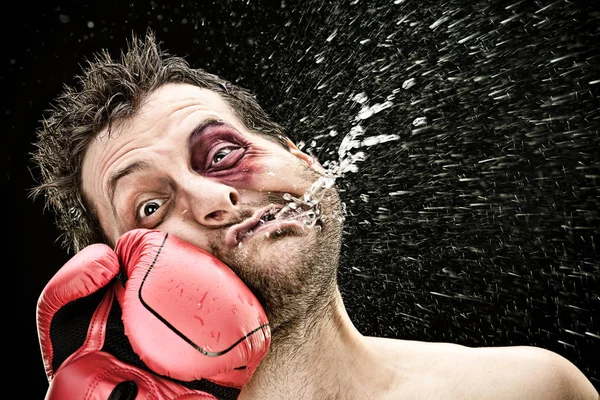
(429, 265)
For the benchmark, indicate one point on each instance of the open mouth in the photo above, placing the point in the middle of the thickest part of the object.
(277, 218)
(269, 216)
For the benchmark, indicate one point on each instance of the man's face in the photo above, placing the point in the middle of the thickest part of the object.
(186, 165)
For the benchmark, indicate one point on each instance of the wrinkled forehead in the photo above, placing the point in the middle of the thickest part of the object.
(174, 95)
(165, 108)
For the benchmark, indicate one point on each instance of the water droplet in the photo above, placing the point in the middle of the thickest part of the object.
(420, 121)
(408, 83)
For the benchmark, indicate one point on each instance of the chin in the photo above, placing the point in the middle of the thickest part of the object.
(276, 258)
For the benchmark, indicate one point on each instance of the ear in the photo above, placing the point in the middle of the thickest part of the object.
(309, 160)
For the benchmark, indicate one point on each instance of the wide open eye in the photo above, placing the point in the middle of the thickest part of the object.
(147, 208)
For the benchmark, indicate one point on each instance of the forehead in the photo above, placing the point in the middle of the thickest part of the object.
(179, 95)
(163, 111)
(169, 108)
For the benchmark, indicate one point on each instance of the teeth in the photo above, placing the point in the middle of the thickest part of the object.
(268, 216)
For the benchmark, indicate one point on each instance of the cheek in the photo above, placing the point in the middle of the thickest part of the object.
(245, 173)
(258, 173)
(186, 229)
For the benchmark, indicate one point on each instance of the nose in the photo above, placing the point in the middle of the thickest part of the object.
(212, 203)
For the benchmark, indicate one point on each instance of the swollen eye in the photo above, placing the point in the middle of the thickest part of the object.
(225, 158)
(221, 154)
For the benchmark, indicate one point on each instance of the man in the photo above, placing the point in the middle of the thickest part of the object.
(146, 142)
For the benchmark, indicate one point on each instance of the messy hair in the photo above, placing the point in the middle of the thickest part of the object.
(106, 92)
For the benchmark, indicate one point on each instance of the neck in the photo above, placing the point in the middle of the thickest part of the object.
(325, 357)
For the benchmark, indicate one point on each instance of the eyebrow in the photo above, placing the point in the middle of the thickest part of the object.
(199, 130)
(128, 170)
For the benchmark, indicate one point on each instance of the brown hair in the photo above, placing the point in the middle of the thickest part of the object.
(109, 91)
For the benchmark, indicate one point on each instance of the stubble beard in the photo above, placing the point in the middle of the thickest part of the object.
(293, 273)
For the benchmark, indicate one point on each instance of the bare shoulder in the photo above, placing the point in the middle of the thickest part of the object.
(533, 373)
(491, 373)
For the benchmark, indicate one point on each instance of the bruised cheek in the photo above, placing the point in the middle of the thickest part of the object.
(248, 173)
(256, 173)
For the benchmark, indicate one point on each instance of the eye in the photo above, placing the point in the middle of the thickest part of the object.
(220, 155)
(147, 208)
(225, 157)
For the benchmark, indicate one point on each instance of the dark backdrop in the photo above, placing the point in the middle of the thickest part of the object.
(478, 224)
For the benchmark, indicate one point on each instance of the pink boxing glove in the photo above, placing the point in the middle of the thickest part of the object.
(82, 328)
(186, 314)
(80, 333)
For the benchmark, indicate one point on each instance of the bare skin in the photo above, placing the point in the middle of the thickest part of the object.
(340, 363)
(185, 164)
